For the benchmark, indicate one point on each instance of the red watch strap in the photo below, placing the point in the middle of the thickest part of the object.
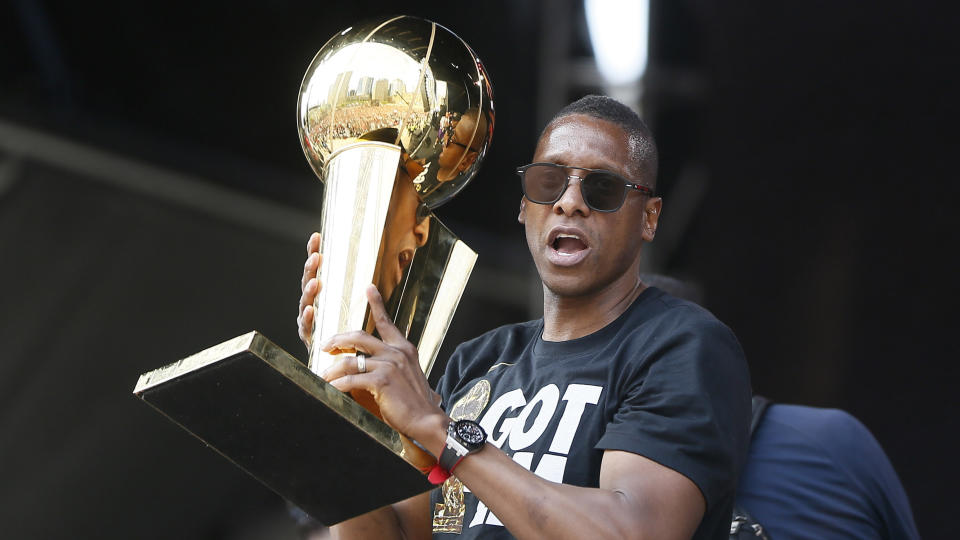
(438, 475)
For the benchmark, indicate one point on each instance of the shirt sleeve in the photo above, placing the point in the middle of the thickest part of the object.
(687, 407)
(451, 378)
(443, 385)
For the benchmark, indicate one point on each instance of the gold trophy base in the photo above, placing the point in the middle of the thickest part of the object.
(265, 411)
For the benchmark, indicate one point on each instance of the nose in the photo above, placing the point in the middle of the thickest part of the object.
(571, 201)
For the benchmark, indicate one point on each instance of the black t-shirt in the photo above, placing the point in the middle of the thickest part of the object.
(666, 380)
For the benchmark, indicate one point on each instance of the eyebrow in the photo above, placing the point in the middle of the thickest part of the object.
(609, 167)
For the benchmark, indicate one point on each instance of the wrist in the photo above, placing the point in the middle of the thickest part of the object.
(464, 437)
(433, 434)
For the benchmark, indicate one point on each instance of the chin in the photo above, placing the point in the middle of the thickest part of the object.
(569, 286)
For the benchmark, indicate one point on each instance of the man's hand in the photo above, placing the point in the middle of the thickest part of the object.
(392, 375)
(406, 519)
(309, 287)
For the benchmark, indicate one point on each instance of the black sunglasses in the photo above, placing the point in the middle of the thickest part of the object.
(603, 191)
(449, 140)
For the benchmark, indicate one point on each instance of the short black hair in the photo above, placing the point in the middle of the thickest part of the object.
(643, 149)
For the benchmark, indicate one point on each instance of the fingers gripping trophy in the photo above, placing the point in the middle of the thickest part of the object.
(394, 117)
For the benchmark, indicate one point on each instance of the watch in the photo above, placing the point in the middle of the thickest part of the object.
(464, 437)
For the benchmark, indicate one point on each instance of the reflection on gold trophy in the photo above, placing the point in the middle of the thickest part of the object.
(372, 106)
(394, 117)
(374, 116)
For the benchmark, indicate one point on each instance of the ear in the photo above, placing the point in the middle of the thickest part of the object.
(468, 160)
(522, 218)
(651, 217)
(422, 231)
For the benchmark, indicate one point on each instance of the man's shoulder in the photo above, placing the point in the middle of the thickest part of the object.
(660, 312)
(833, 433)
(474, 358)
(669, 331)
(489, 346)
(502, 335)
(816, 444)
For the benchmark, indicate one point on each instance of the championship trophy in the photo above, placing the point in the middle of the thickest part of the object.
(394, 117)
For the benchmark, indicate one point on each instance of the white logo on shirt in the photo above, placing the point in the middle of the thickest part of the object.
(514, 433)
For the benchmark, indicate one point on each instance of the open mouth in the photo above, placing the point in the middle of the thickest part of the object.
(404, 258)
(568, 244)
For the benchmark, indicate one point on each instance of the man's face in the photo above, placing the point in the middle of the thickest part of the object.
(402, 235)
(457, 153)
(579, 251)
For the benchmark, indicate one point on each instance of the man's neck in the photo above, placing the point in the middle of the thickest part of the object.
(566, 318)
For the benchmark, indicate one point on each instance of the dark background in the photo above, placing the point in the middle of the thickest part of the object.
(819, 136)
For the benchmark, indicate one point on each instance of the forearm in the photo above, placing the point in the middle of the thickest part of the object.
(381, 523)
(531, 507)
(637, 497)
(407, 519)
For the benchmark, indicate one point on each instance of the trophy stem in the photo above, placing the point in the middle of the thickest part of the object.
(357, 187)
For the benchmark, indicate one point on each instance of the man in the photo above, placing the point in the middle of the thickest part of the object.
(461, 148)
(630, 407)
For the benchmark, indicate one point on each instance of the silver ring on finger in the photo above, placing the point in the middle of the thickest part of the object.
(361, 363)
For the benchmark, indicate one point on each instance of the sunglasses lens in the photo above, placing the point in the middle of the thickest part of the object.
(603, 191)
(543, 183)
